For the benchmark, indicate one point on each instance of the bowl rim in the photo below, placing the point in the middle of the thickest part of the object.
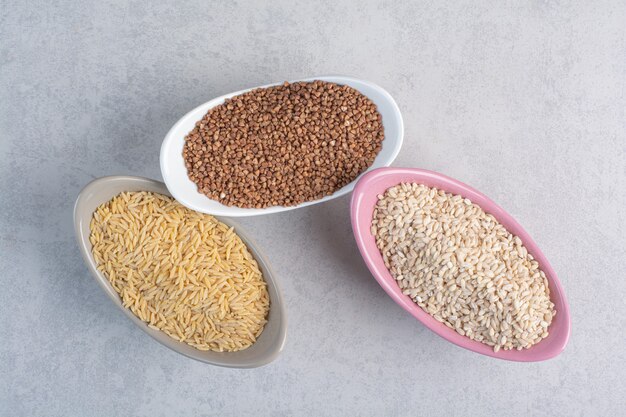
(376, 182)
(168, 162)
(277, 315)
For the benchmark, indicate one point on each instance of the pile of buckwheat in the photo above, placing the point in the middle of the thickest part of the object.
(283, 145)
(462, 266)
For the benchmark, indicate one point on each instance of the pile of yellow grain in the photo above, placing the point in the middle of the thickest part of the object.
(182, 272)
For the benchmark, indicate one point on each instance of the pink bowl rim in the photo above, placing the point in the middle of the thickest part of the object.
(362, 204)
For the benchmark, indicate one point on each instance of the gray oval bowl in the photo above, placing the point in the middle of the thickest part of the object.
(267, 347)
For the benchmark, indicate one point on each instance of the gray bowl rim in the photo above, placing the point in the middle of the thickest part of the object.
(262, 352)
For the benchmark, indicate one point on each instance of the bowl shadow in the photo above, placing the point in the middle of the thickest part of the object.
(335, 232)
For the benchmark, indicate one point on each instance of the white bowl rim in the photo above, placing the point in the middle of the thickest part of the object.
(172, 164)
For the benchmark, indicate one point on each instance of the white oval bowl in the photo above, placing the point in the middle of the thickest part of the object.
(271, 341)
(186, 192)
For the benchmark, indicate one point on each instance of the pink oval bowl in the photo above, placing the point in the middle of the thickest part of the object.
(363, 200)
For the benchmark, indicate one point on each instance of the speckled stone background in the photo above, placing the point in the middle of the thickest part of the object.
(524, 101)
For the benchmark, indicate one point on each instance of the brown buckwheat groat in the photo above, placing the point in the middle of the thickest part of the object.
(283, 145)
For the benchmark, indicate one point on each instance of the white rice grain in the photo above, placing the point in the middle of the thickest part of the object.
(462, 267)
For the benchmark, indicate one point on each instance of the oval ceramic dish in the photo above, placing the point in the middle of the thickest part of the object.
(362, 207)
(185, 191)
(270, 342)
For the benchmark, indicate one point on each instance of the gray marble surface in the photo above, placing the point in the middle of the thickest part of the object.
(524, 101)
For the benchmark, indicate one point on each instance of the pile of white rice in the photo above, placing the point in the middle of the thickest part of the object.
(462, 267)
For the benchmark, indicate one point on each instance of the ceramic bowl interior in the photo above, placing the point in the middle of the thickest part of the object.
(362, 206)
(185, 191)
(272, 339)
